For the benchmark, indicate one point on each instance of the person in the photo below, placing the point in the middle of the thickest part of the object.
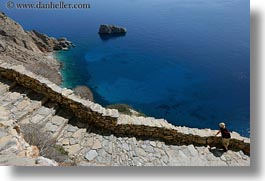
(225, 135)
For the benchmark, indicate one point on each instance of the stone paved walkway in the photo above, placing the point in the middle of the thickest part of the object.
(90, 146)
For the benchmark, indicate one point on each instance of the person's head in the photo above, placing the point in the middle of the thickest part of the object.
(222, 125)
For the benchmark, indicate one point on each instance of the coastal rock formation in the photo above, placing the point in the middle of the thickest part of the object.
(12, 32)
(84, 92)
(30, 48)
(111, 29)
(49, 44)
(31, 40)
(63, 44)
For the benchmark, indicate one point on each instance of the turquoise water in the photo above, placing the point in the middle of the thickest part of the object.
(183, 60)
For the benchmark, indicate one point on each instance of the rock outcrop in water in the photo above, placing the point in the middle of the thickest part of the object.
(84, 92)
(49, 44)
(111, 29)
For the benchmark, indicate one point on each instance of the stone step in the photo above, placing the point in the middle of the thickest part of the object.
(72, 139)
(3, 102)
(55, 125)
(20, 114)
(9, 98)
(6, 85)
(61, 119)
(14, 95)
(22, 101)
(41, 115)
(27, 105)
(8, 101)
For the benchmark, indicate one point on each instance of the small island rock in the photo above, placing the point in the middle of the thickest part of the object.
(111, 29)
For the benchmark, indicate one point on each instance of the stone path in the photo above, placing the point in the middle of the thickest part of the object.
(14, 150)
(88, 145)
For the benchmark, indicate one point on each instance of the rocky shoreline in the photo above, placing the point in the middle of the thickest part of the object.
(35, 51)
(29, 48)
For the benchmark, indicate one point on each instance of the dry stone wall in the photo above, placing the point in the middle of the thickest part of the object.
(119, 124)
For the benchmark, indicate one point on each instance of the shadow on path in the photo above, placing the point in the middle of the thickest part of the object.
(217, 152)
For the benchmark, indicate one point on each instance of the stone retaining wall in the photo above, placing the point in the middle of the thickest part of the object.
(119, 124)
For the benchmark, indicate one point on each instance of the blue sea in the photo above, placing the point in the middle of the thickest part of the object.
(187, 61)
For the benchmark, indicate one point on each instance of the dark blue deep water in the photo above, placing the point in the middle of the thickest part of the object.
(187, 61)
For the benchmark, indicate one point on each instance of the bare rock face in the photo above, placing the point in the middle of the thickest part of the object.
(84, 92)
(43, 42)
(49, 44)
(13, 32)
(30, 48)
(2, 46)
(31, 40)
(111, 29)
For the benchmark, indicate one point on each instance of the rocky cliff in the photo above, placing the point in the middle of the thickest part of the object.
(30, 48)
